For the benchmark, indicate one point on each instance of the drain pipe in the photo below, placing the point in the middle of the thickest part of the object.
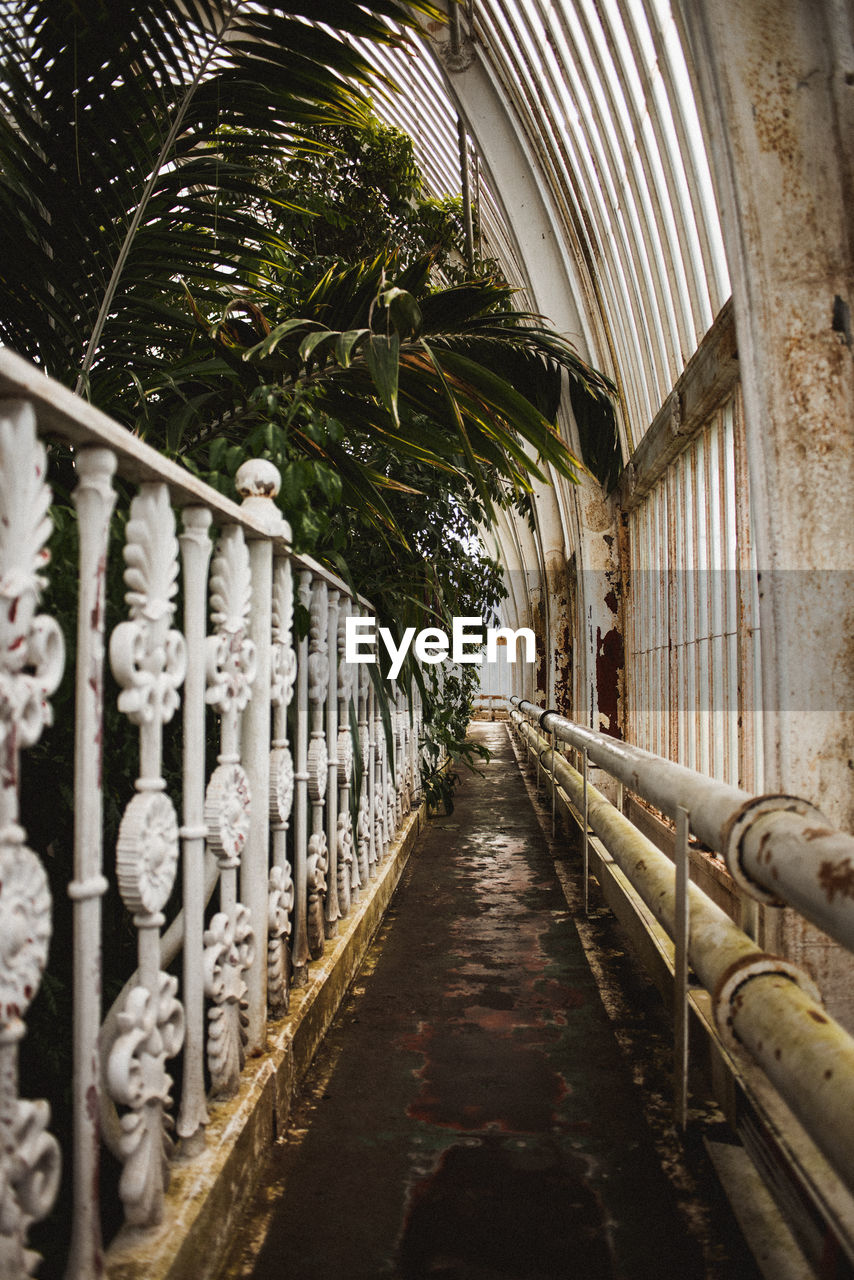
(761, 1002)
(779, 849)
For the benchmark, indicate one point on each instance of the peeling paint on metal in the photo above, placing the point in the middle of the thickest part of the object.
(610, 660)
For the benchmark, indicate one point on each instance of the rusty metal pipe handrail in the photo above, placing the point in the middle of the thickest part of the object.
(779, 848)
(761, 1002)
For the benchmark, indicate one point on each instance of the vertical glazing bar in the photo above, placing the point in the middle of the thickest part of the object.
(700, 497)
(258, 483)
(728, 500)
(717, 601)
(332, 912)
(586, 864)
(749, 676)
(664, 604)
(633, 674)
(694, 700)
(300, 955)
(195, 553)
(680, 976)
(647, 549)
(94, 499)
(675, 631)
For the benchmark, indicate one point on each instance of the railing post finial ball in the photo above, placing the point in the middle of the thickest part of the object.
(258, 482)
(258, 478)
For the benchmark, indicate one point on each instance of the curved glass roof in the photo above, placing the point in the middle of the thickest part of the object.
(598, 94)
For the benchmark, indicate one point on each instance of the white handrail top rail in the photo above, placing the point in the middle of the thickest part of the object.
(779, 849)
(68, 417)
(63, 415)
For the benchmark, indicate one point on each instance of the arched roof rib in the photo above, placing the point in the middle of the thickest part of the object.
(600, 91)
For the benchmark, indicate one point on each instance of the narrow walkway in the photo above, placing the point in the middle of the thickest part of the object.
(471, 1115)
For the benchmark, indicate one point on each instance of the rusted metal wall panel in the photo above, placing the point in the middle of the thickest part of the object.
(693, 652)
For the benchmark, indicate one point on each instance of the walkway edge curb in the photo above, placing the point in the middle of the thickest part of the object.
(208, 1192)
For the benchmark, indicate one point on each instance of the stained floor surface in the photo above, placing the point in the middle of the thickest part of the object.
(472, 1115)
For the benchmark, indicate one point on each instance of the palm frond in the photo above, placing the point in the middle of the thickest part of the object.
(128, 149)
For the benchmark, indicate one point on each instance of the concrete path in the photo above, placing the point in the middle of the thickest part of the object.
(471, 1115)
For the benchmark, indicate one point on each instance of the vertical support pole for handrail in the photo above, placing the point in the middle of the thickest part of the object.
(332, 912)
(750, 917)
(554, 787)
(258, 483)
(300, 956)
(680, 975)
(586, 864)
(195, 553)
(94, 499)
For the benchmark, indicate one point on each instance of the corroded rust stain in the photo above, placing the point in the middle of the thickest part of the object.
(837, 877)
(610, 660)
(563, 670)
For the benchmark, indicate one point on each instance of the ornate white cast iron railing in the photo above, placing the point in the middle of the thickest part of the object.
(280, 895)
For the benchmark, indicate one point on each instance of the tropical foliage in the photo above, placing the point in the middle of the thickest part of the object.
(210, 236)
(345, 194)
(218, 244)
(130, 152)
